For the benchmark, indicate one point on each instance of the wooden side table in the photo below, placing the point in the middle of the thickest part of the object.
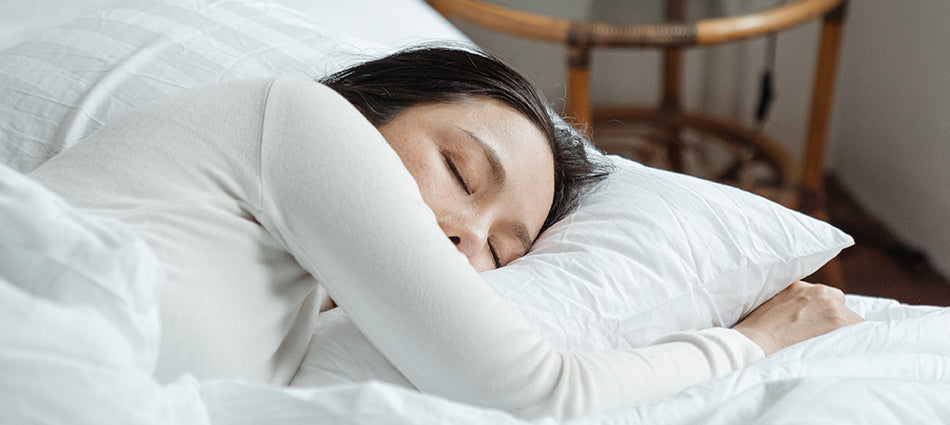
(796, 185)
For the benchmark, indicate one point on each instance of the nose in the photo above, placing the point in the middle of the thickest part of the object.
(468, 235)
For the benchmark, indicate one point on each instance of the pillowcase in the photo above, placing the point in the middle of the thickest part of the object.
(62, 85)
(650, 252)
(647, 253)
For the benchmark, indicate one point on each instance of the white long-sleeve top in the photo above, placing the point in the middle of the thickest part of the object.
(266, 198)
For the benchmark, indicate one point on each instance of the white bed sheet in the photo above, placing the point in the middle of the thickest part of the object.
(878, 372)
(79, 326)
(20, 20)
(64, 82)
(390, 22)
(76, 346)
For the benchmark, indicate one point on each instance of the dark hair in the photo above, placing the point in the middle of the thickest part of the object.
(383, 88)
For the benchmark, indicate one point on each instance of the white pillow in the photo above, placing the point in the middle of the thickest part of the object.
(67, 82)
(648, 253)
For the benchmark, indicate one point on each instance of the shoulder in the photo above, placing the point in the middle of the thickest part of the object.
(305, 93)
(311, 110)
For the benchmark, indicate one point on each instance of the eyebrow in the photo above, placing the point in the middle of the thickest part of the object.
(497, 170)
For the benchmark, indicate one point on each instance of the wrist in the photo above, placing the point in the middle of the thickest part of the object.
(763, 339)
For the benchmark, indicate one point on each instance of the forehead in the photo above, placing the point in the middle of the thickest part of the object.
(519, 146)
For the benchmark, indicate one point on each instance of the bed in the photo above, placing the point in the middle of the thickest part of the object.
(648, 252)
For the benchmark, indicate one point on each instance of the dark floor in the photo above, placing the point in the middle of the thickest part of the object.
(879, 264)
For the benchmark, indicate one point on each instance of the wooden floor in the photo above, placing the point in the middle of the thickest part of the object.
(879, 264)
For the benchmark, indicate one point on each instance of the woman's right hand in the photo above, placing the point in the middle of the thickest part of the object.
(801, 311)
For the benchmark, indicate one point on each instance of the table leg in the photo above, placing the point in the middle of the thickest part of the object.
(669, 129)
(812, 197)
(821, 101)
(578, 86)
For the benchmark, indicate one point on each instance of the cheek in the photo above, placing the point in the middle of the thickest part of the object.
(417, 160)
(435, 188)
(424, 161)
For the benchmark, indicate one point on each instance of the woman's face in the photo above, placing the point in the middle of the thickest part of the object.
(485, 171)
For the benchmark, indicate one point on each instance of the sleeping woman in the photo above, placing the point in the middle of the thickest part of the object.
(384, 190)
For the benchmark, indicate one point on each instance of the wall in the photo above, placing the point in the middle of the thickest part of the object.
(891, 135)
(889, 141)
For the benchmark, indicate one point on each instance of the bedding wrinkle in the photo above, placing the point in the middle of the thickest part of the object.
(240, 304)
(680, 225)
(75, 124)
(335, 209)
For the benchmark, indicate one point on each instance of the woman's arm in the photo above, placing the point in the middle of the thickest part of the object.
(341, 201)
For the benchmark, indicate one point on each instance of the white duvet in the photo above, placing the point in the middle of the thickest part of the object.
(78, 294)
(78, 334)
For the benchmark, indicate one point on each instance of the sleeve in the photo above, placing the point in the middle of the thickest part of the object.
(339, 198)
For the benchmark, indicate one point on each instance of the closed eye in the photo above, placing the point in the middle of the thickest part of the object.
(456, 173)
(494, 255)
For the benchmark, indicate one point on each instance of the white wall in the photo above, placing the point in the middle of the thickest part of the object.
(891, 135)
(889, 141)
